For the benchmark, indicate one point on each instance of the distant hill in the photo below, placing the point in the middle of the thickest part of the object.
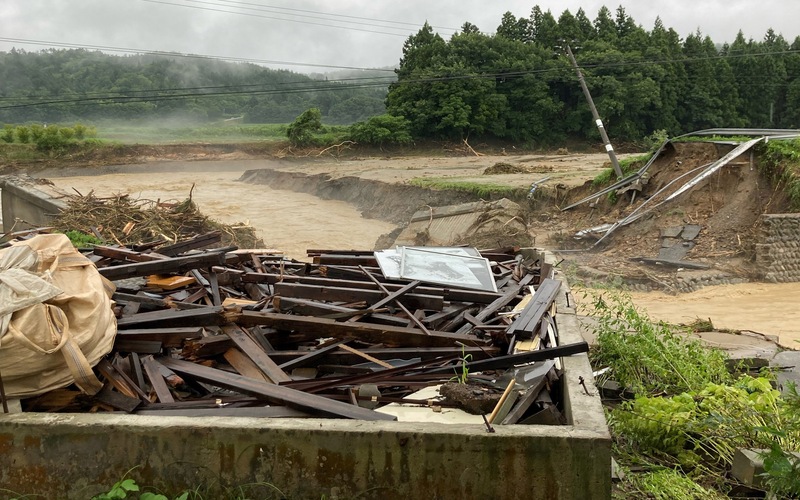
(77, 84)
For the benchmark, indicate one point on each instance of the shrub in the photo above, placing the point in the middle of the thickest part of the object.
(23, 134)
(8, 134)
(382, 129)
(301, 131)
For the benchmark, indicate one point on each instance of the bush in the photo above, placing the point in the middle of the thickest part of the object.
(23, 134)
(51, 141)
(7, 134)
(80, 131)
(301, 131)
(37, 131)
(67, 133)
(382, 129)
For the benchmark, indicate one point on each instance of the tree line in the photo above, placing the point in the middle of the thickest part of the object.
(517, 84)
(66, 85)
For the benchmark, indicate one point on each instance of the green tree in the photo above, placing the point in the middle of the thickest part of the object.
(301, 131)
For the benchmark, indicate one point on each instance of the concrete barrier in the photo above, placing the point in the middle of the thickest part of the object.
(25, 205)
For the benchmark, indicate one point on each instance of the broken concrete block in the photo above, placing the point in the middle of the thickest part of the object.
(690, 231)
(671, 232)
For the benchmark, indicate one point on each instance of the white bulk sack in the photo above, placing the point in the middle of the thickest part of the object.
(56, 317)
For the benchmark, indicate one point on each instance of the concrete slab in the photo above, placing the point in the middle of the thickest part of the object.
(690, 231)
(671, 232)
(789, 373)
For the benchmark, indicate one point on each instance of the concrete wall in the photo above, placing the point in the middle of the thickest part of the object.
(79, 455)
(25, 206)
(778, 249)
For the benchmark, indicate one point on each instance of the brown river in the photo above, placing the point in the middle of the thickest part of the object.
(294, 222)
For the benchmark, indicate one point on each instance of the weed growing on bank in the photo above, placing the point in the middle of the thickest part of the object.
(689, 414)
(480, 190)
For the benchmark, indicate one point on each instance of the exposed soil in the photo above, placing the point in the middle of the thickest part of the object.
(727, 207)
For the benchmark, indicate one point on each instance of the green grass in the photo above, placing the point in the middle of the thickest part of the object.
(134, 134)
(782, 164)
(628, 166)
(481, 190)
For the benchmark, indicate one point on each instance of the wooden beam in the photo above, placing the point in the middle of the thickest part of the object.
(205, 316)
(254, 351)
(274, 393)
(199, 241)
(169, 337)
(448, 294)
(178, 265)
(336, 294)
(370, 333)
(157, 381)
(505, 362)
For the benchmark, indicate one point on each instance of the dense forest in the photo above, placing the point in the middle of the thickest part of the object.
(516, 84)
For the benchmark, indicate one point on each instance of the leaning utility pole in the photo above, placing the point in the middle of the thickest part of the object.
(597, 120)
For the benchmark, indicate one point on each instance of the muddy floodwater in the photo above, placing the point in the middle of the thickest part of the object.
(289, 221)
(769, 308)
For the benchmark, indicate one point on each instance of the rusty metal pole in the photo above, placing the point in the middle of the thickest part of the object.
(597, 120)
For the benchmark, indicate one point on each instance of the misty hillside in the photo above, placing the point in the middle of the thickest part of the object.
(76, 84)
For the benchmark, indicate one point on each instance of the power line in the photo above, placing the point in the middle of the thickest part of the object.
(338, 15)
(271, 17)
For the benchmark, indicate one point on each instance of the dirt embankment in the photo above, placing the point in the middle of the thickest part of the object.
(393, 202)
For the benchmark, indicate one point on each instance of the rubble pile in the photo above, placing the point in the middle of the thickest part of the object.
(125, 220)
(208, 330)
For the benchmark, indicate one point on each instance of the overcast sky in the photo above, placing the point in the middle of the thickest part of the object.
(371, 32)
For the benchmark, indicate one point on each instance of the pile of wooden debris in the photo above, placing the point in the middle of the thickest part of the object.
(125, 220)
(205, 330)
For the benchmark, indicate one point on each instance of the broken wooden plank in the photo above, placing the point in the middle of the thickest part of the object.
(305, 359)
(504, 362)
(199, 241)
(169, 337)
(169, 283)
(205, 316)
(449, 294)
(527, 321)
(365, 356)
(336, 294)
(274, 393)
(244, 365)
(495, 306)
(117, 400)
(126, 255)
(178, 265)
(370, 333)
(156, 379)
(254, 351)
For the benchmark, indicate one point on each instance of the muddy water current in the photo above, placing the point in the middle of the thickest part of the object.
(289, 221)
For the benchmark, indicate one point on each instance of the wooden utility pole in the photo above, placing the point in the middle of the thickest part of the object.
(597, 120)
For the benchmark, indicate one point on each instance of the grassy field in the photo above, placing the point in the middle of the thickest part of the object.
(154, 134)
